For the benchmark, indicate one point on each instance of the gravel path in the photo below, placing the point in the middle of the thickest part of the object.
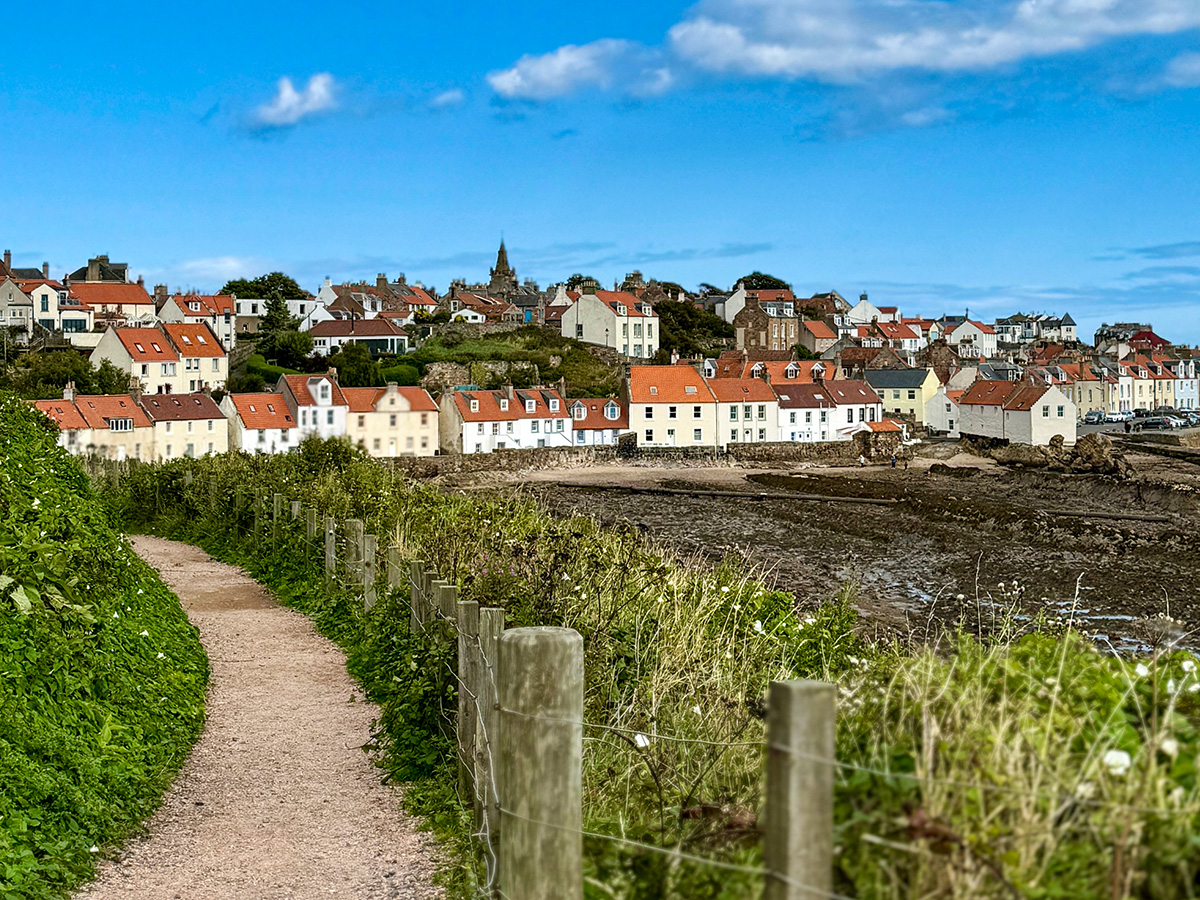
(276, 799)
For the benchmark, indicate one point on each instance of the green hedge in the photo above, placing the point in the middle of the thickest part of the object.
(102, 678)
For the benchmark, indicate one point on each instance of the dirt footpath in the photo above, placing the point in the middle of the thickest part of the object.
(277, 800)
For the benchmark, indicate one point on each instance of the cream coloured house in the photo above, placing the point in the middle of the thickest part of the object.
(186, 426)
(392, 421)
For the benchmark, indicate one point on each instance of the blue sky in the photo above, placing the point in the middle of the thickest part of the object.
(1039, 155)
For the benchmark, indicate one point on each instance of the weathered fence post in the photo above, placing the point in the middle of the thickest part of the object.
(258, 516)
(468, 690)
(540, 764)
(798, 818)
(416, 601)
(369, 546)
(310, 522)
(296, 508)
(487, 743)
(354, 536)
(330, 551)
(276, 515)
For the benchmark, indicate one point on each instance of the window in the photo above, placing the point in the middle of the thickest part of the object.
(697, 435)
(649, 435)
(695, 412)
(732, 413)
(649, 414)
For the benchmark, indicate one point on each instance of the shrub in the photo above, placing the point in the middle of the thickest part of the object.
(101, 677)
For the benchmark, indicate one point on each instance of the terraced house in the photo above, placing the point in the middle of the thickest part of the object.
(672, 406)
(474, 421)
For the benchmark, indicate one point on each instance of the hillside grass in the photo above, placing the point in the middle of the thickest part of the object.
(1023, 764)
(102, 679)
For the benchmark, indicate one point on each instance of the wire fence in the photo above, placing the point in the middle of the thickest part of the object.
(355, 561)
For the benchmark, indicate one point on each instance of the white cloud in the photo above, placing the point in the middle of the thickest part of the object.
(1183, 71)
(448, 99)
(601, 64)
(842, 41)
(291, 106)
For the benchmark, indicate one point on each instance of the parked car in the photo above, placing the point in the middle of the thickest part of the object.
(1095, 417)
(1156, 423)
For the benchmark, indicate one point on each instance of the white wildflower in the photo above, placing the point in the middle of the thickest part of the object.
(1118, 762)
(1170, 746)
(1140, 670)
(641, 740)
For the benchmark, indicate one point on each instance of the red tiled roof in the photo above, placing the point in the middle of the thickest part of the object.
(820, 330)
(210, 304)
(180, 407)
(363, 400)
(64, 414)
(97, 409)
(194, 339)
(112, 293)
(146, 345)
(594, 418)
(668, 384)
(489, 409)
(350, 328)
(298, 385)
(741, 390)
(262, 411)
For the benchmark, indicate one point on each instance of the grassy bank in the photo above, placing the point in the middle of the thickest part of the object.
(101, 677)
(1024, 765)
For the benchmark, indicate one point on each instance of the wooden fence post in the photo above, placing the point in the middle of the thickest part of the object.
(330, 551)
(369, 546)
(416, 601)
(276, 515)
(296, 508)
(310, 522)
(798, 818)
(487, 744)
(468, 690)
(354, 536)
(540, 764)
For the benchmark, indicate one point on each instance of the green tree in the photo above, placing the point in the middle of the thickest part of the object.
(264, 287)
(292, 348)
(355, 366)
(757, 281)
(688, 330)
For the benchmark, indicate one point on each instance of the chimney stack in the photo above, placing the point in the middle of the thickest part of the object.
(46, 270)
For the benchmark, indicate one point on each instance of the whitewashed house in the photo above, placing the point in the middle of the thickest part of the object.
(260, 423)
(1021, 413)
(473, 421)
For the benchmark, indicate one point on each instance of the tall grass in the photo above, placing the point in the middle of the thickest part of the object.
(1026, 764)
